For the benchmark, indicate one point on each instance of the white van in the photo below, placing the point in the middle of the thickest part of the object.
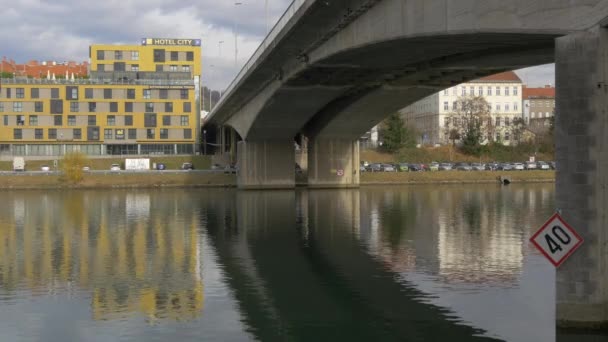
(18, 164)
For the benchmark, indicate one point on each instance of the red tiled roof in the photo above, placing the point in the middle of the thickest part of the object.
(507, 76)
(546, 92)
(38, 70)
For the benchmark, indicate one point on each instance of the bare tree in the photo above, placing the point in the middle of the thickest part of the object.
(472, 119)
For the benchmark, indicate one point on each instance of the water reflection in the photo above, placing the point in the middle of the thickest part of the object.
(106, 244)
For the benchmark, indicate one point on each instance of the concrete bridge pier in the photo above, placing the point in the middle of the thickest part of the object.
(333, 163)
(581, 133)
(266, 164)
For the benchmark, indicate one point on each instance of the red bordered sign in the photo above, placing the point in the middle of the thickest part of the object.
(556, 240)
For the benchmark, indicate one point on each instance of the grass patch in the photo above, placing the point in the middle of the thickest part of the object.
(454, 177)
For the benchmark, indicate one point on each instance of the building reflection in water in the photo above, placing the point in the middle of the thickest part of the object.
(106, 245)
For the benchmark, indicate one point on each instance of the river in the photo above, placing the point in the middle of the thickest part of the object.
(402, 263)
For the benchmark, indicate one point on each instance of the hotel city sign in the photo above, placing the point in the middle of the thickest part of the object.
(170, 41)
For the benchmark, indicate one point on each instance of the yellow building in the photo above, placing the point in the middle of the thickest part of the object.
(138, 99)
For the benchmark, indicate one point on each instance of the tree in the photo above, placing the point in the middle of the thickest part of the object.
(395, 135)
(518, 128)
(473, 121)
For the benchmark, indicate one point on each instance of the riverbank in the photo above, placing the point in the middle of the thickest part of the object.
(155, 179)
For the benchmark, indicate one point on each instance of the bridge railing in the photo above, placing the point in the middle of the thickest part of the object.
(272, 34)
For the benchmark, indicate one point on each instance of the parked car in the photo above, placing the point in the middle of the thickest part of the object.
(530, 166)
(375, 167)
(365, 163)
(231, 168)
(362, 168)
(553, 165)
(388, 168)
(416, 167)
(213, 167)
(433, 166)
(403, 167)
(161, 166)
(505, 167)
(187, 166)
(445, 166)
(543, 165)
(478, 167)
(86, 168)
(45, 168)
(115, 167)
(518, 166)
(463, 167)
(493, 166)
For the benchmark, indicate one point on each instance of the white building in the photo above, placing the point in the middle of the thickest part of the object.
(502, 91)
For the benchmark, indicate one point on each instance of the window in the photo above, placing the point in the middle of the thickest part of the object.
(507, 136)
(88, 93)
(33, 120)
(149, 106)
(150, 120)
(463, 91)
(515, 107)
(446, 122)
(1, 106)
(497, 121)
(159, 68)
(58, 119)
(489, 91)
(498, 106)
(446, 105)
(506, 91)
(20, 93)
(77, 133)
(183, 94)
(166, 120)
(480, 91)
(454, 105)
(113, 107)
(101, 67)
(172, 67)
(92, 120)
(135, 55)
(100, 55)
(150, 133)
(174, 55)
(134, 67)
(132, 132)
(506, 107)
(185, 68)
(111, 120)
(119, 134)
(92, 107)
(515, 91)
(117, 55)
(93, 133)
(107, 93)
(497, 91)
(159, 55)
(71, 120)
(17, 106)
(445, 92)
(187, 107)
(56, 106)
(147, 93)
(107, 133)
(472, 91)
(189, 56)
(131, 94)
(8, 93)
(187, 133)
(38, 107)
(38, 133)
(163, 94)
(74, 107)
(129, 107)
(35, 93)
(6, 120)
(52, 133)
(183, 120)
(17, 133)
(164, 133)
(169, 107)
(20, 120)
(507, 121)
(128, 120)
(533, 115)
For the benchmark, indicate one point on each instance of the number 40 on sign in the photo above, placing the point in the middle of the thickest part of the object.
(556, 240)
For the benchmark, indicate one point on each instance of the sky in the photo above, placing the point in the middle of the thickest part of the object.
(62, 30)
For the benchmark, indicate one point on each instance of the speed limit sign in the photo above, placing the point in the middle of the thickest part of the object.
(556, 240)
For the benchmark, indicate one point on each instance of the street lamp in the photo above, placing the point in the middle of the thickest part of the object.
(204, 142)
(236, 49)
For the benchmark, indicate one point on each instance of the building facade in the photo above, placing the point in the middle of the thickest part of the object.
(539, 108)
(136, 100)
(433, 115)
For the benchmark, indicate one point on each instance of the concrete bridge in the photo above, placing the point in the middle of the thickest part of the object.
(331, 69)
